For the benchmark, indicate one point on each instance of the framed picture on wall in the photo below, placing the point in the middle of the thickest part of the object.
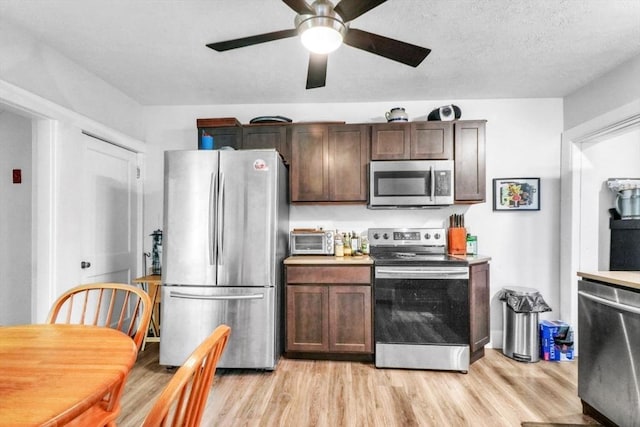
(516, 194)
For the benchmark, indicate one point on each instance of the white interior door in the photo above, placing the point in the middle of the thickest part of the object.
(109, 212)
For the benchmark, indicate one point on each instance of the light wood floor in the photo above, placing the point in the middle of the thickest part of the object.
(497, 391)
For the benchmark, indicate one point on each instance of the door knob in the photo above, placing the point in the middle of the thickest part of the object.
(85, 264)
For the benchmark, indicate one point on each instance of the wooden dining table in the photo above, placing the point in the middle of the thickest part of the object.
(52, 373)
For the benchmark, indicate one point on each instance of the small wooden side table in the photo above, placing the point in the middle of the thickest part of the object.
(151, 284)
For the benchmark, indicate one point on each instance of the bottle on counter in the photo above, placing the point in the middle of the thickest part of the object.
(365, 244)
(339, 246)
(472, 245)
(355, 243)
(346, 240)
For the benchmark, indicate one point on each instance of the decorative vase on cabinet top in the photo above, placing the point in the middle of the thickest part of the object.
(396, 115)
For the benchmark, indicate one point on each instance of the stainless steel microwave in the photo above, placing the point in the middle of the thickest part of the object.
(410, 183)
(311, 242)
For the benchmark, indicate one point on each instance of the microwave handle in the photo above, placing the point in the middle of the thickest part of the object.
(432, 172)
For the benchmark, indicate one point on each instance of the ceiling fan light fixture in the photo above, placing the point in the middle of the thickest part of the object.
(323, 26)
(321, 34)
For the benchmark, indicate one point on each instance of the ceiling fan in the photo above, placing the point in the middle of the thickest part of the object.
(323, 27)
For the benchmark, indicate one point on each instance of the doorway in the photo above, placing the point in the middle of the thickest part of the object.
(579, 223)
(15, 218)
(58, 203)
(614, 157)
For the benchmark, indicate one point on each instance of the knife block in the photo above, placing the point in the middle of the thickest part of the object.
(457, 239)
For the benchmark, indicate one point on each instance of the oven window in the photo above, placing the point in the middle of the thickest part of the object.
(419, 311)
(408, 183)
(309, 243)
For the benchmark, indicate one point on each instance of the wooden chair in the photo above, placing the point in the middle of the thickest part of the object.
(119, 306)
(103, 304)
(183, 400)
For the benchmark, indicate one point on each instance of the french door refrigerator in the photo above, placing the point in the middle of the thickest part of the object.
(226, 222)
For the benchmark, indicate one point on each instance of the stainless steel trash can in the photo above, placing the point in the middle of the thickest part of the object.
(520, 339)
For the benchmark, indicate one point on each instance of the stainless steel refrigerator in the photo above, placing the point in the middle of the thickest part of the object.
(226, 222)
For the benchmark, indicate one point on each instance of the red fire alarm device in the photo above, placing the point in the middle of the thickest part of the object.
(17, 176)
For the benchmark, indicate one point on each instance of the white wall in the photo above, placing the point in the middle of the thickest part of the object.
(30, 64)
(523, 140)
(612, 90)
(15, 220)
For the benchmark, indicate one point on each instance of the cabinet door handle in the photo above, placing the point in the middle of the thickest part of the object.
(85, 264)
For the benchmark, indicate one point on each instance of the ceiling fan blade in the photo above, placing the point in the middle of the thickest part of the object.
(300, 6)
(248, 41)
(351, 9)
(396, 50)
(317, 72)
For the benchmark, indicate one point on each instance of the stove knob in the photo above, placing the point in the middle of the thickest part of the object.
(427, 236)
(376, 236)
(437, 236)
(385, 236)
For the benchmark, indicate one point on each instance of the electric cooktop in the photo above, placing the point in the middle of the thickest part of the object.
(410, 246)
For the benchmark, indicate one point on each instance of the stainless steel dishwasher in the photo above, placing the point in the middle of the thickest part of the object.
(609, 340)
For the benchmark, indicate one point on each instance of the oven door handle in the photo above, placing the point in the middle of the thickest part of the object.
(384, 273)
(613, 304)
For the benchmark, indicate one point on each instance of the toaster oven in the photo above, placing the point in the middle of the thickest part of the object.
(311, 242)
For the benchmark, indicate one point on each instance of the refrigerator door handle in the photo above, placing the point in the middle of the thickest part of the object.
(215, 297)
(221, 218)
(213, 218)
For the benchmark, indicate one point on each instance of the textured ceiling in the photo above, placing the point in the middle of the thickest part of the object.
(154, 50)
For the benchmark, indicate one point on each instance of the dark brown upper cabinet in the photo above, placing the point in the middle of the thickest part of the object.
(255, 137)
(248, 137)
(412, 141)
(348, 160)
(470, 172)
(230, 136)
(329, 163)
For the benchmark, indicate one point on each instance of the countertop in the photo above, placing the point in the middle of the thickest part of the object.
(628, 279)
(363, 260)
(329, 260)
(474, 259)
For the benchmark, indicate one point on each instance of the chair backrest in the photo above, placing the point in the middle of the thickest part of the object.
(115, 305)
(183, 400)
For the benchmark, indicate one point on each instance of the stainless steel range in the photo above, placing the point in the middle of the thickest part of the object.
(421, 300)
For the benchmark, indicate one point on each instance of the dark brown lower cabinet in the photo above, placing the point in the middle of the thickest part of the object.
(329, 309)
(479, 314)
